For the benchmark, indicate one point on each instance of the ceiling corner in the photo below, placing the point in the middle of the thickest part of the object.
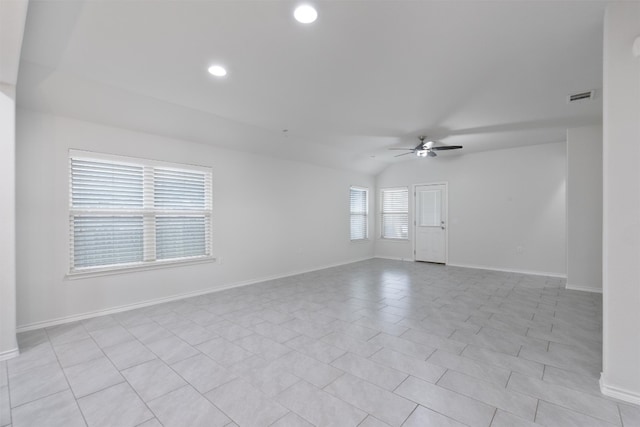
(13, 15)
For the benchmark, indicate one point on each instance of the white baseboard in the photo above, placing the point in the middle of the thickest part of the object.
(619, 393)
(509, 270)
(147, 303)
(394, 258)
(484, 267)
(9, 354)
(573, 287)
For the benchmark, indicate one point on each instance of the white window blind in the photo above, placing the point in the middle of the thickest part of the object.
(180, 235)
(395, 213)
(127, 212)
(358, 201)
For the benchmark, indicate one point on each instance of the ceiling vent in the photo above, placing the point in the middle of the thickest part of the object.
(582, 96)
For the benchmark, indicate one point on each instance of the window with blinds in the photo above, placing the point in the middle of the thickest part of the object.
(127, 212)
(395, 213)
(359, 206)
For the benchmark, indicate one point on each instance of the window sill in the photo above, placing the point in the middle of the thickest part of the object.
(386, 239)
(109, 271)
(360, 241)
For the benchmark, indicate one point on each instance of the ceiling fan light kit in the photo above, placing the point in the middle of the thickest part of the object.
(426, 149)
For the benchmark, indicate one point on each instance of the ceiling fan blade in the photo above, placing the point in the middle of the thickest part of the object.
(404, 154)
(406, 149)
(431, 154)
(446, 147)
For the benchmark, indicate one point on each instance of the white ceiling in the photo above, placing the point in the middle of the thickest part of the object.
(366, 76)
(12, 19)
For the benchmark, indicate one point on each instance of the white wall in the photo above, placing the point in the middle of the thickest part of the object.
(271, 217)
(498, 201)
(621, 225)
(584, 208)
(12, 19)
(8, 345)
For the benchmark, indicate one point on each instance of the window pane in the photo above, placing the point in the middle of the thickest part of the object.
(358, 201)
(180, 237)
(395, 201)
(107, 240)
(359, 209)
(430, 203)
(395, 214)
(358, 227)
(175, 189)
(395, 226)
(96, 184)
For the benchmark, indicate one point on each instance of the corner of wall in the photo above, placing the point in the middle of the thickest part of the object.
(618, 393)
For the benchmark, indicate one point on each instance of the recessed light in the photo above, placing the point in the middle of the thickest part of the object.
(217, 71)
(305, 14)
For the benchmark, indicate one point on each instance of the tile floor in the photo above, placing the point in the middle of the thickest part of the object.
(375, 343)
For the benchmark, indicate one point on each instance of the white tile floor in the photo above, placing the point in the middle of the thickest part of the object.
(376, 343)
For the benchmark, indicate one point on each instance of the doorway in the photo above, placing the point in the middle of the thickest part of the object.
(431, 223)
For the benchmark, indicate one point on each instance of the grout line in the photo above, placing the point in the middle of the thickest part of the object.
(402, 382)
(120, 373)
(410, 414)
(495, 412)
(65, 374)
(506, 385)
(6, 367)
(40, 398)
(372, 354)
(281, 418)
(620, 415)
(150, 419)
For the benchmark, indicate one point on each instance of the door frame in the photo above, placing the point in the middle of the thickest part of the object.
(446, 219)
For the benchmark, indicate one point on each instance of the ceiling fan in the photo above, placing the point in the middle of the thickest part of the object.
(426, 149)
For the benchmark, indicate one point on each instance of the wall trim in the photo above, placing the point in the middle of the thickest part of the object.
(619, 393)
(394, 258)
(508, 270)
(571, 287)
(9, 354)
(478, 267)
(147, 303)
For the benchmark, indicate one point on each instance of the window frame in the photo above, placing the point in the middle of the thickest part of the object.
(148, 212)
(383, 213)
(365, 214)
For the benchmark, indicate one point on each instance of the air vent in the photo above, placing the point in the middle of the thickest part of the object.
(582, 96)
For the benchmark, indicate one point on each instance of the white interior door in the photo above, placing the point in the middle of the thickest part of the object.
(431, 223)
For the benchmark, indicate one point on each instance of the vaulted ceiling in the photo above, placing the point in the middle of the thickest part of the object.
(366, 76)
